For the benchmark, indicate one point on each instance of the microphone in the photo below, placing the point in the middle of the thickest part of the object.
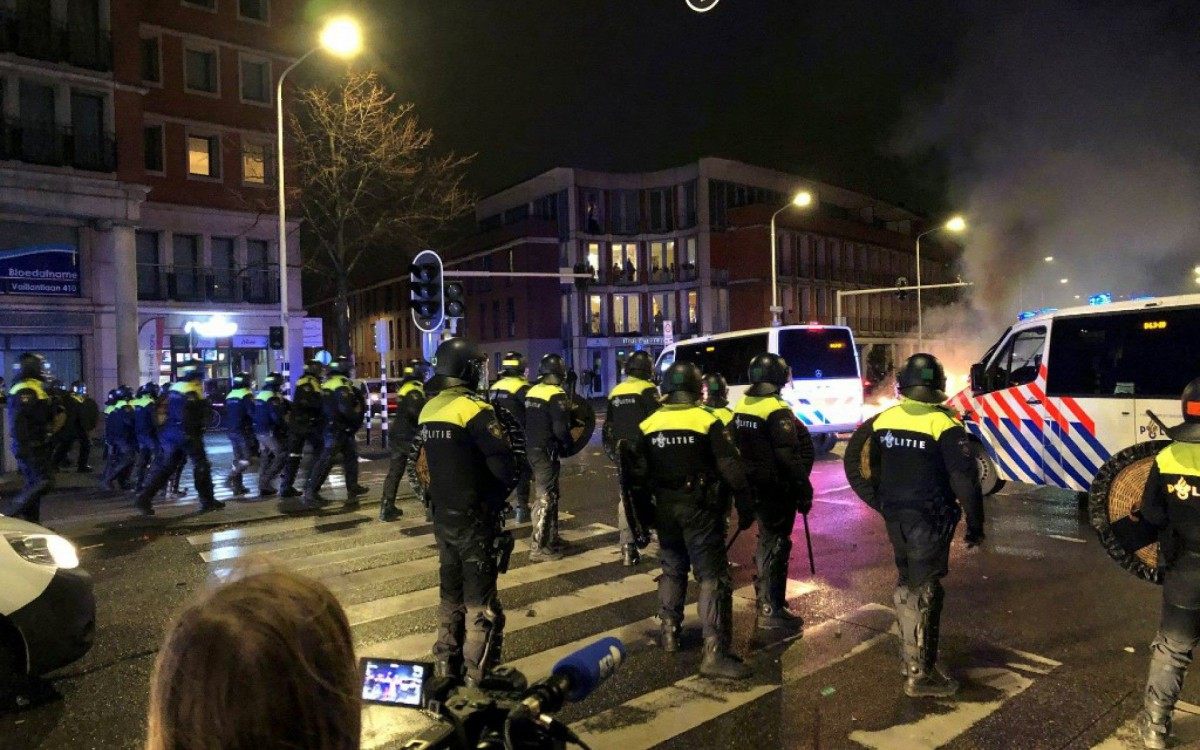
(574, 677)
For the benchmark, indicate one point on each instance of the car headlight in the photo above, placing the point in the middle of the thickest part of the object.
(44, 549)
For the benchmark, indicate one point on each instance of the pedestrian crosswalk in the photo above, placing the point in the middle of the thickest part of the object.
(385, 575)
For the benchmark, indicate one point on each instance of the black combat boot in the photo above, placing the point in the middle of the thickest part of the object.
(388, 510)
(772, 616)
(716, 614)
(669, 633)
(1154, 725)
(630, 556)
(1169, 660)
(925, 678)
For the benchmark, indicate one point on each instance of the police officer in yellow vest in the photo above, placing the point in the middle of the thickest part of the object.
(682, 453)
(547, 434)
(471, 471)
(30, 415)
(716, 397)
(344, 411)
(239, 427)
(922, 462)
(410, 399)
(306, 427)
(779, 454)
(629, 403)
(270, 428)
(1171, 502)
(509, 393)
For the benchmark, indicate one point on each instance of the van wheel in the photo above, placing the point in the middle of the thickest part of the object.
(989, 478)
(824, 442)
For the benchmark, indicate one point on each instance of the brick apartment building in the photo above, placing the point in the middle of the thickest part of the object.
(687, 245)
(137, 183)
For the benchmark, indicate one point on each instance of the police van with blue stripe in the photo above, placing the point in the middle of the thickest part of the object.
(826, 392)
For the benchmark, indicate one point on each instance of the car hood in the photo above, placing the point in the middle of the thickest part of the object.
(23, 527)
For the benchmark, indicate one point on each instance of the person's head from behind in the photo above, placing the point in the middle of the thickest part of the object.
(263, 662)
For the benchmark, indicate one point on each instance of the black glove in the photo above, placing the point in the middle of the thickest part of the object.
(804, 498)
(974, 538)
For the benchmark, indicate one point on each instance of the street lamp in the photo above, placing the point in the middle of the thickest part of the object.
(802, 199)
(340, 37)
(954, 224)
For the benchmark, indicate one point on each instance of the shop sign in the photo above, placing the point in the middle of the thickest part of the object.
(43, 270)
(216, 327)
(249, 342)
(314, 333)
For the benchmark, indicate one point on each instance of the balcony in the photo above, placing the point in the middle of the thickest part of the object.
(37, 36)
(619, 276)
(55, 146)
(255, 286)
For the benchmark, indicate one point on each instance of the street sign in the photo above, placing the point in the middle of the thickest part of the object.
(382, 342)
(668, 327)
(314, 333)
(323, 357)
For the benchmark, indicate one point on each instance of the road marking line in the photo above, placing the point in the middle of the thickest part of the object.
(1077, 540)
(246, 534)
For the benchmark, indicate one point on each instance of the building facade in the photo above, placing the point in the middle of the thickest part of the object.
(137, 195)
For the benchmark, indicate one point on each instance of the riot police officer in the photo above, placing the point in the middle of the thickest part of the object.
(345, 408)
(629, 402)
(181, 438)
(82, 414)
(270, 427)
(471, 472)
(1168, 503)
(239, 427)
(716, 397)
(306, 426)
(547, 435)
(779, 457)
(922, 462)
(509, 393)
(682, 453)
(122, 450)
(30, 418)
(410, 398)
(145, 428)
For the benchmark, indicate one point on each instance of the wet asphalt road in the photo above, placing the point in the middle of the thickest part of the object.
(1048, 635)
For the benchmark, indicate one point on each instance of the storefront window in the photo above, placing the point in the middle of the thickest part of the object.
(63, 353)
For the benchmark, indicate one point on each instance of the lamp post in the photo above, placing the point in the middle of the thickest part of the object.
(340, 37)
(955, 224)
(802, 199)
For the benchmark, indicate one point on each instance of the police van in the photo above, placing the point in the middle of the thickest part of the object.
(1059, 393)
(826, 392)
(47, 609)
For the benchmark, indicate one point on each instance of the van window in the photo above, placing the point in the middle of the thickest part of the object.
(1147, 353)
(819, 353)
(665, 360)
(729, 357)
(1018, 361)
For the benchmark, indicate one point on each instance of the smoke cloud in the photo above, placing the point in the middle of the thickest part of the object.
(1071, 130)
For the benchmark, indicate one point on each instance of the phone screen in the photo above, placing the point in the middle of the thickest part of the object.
(394, 683)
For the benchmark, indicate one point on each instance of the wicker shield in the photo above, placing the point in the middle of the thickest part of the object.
(583, 424)
(418, 463)
(857, 463)
(1115, 495)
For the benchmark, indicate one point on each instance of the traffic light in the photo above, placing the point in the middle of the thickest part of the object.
(425, 291)
(456, 303)
(902, 294)
(275, 337)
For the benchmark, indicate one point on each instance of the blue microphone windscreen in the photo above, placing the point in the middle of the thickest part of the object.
(591, 665)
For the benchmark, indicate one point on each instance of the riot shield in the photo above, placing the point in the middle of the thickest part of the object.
(583, 424)
(637, 502)
(857, 463)
(1114, 498)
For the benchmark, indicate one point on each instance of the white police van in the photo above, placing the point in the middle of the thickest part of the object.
(826, 392)
(47, 608)
(1059, 393)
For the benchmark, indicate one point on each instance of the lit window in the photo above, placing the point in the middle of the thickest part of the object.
(203, 156)
(627, 313)
(594, 308)
(693, 308)
(254, 163)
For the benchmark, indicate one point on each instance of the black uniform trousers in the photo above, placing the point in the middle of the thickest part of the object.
(545, 467)
(471, 619)
(64, 446)
(691, 536)
(921, 544)
(176, 448)
(241, 458)
(776, 516)
(147, 451)
(36, 466)
(1179, 631)
(336, 443)
(122, 455)
(271, 459)
(396, 468)
(296, 441)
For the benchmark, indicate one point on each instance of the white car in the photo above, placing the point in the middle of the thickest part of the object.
(47, 608)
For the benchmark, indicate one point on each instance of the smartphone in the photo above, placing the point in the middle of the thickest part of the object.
(392, 682)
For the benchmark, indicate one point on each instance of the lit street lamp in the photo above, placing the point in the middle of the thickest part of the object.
(341, 37)
(955, 224)
(802, 199)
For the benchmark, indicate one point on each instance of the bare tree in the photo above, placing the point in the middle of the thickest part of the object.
(369, 181)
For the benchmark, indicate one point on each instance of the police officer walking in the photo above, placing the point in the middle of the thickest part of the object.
(410, 398)
(471, 471)
(306, 426)
(629, 402)
(683, 453)
(30, 419)
(716, 397)
(1169, 503)
(181, 438)
(547, 435)
(122, 449)
(269, 418)
(239, 426)
(924, 463)
(145, 429)
(779, 458)
(82, 414)
(344, 411)
(509, 393)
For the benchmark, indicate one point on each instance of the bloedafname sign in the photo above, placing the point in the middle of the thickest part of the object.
(42, 270)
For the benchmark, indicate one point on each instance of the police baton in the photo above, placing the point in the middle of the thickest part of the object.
(812, 565)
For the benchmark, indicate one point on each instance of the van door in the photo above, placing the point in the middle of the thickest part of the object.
(1013, 415)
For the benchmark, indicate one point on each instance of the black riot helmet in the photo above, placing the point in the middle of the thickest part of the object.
(639, 365)
(192, 371)
(315, 368)
(682, 383)
(552, 369)
(716, 390)
(922, 379)
(457, 362)
(340, 366)
(54, 385)
(513, 364)
(79, 388)
(769, 373)
(31, 366)
(273, 382)
(242, 380)
(123, 393)
(414, 369)
(149, 389)
(111, 398)
(1189, 431)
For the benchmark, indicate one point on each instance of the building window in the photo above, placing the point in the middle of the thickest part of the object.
(625, 262)
(204, 155)
(591, 211)
(593, 256)
(255, 10)
(496, 320)
(688, 205)
(89, 144)
(256, 81)
(624, 216)
(660, 209)
(148, 279)
(39, 139)
(258, 274)
(200, 70)
(254, 163)
(151, 60)
(662, 308)
(224, 268)
(482, 320)
(152, 148)
(627, 314)
(662, 262)
(186, 267)
(512, 318)
(205, 4)
(693, 309)
(595, 306)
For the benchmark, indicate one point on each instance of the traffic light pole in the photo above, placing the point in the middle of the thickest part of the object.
(884, 290)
